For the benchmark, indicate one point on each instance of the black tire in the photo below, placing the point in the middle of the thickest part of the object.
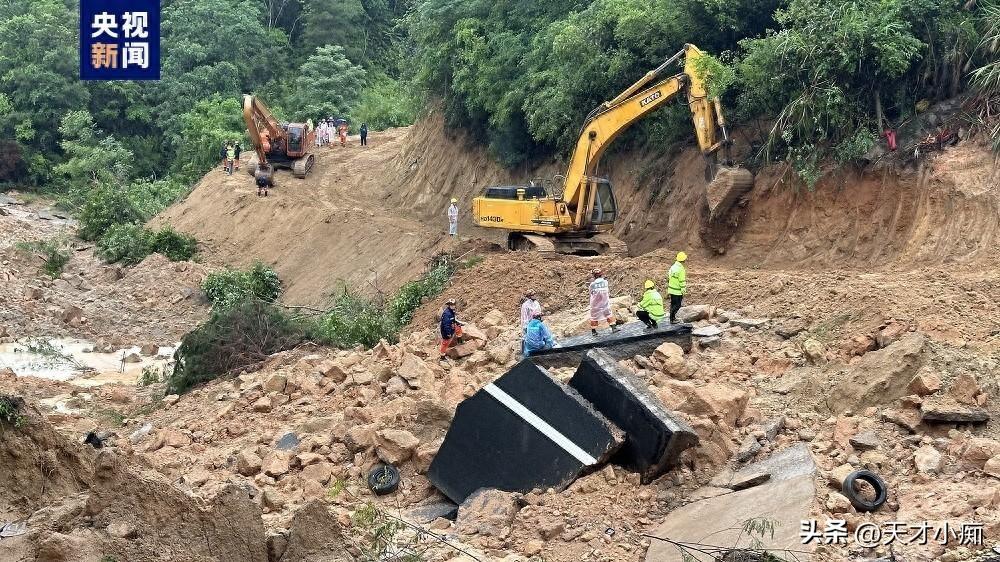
(860, 503)
(383, 479)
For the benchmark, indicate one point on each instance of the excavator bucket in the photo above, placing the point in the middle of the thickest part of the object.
(729, 185)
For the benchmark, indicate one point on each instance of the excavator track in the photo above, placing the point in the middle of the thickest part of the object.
(520, 242)
(615, 247)
(302, 166)
(598, 245)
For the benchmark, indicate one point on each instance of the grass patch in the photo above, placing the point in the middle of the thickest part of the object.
(357, 320)
(233, 287)
(10, 411)
(54, 253)
(246, 326)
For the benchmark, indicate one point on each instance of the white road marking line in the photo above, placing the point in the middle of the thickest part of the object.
(541, 425)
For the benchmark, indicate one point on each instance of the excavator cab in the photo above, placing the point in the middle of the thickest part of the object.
(296, 133)
(605, 206)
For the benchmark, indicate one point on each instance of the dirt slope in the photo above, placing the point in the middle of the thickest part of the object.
(319, 233)
(371, 217)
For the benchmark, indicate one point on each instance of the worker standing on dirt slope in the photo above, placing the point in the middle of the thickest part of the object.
(262, 186)
(453, 217)
(364, 134)
(529, 307)
(676, 285)
(237, 150)
(538, 336)
(651, 306)
(600, 302)
(343, 134)
(451, 328)
(222, 155)
(230, 156)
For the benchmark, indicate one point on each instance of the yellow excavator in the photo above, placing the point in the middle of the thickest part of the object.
(579, 220)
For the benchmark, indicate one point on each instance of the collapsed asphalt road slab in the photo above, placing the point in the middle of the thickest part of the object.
(524, 431)
(630, 340)
(655, 437)
(715, 524)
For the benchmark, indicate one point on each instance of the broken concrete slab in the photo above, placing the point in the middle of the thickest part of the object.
(524, 431)
(630, 340)
(748, 323)
(706, 331)
(786, 464)
(655, 437)
(427, 512)
(948, 410)
(787, 497)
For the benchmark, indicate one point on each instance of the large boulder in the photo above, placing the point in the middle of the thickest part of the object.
(396, 445)
(315, 535)
(488, 512)
(879, 377)
(718, 402)
(670, 357)
(415, 372)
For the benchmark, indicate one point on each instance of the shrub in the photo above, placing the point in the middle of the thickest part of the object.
(412, 294)
(131, 243)
(106, 206)
(53, 251)
(125, 243)
(233, 338)
(10, 410)
(232, 287)
(386, 102)
(355, 320)
(174, 245)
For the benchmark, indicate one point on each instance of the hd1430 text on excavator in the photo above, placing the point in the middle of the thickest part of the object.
(278, 145)
(579, 221)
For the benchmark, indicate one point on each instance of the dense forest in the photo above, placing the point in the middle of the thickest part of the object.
(517, 75)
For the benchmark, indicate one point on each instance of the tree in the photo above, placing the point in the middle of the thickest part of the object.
(335, 23)
(39, 76)
(821, 74)
(328, 84)
(209, 124)
(91, 157)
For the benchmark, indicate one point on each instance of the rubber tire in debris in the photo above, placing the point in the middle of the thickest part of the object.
(383, 479)
(860, 503)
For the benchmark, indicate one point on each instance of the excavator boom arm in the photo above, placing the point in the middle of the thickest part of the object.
(259, 120)
(609, 120)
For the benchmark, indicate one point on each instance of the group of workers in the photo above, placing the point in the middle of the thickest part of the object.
(230, 155)
(537, 336)
(329, 129)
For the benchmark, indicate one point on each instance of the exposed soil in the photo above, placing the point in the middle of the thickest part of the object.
(860, 287)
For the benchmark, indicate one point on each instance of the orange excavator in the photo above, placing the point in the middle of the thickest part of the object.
(278, 145)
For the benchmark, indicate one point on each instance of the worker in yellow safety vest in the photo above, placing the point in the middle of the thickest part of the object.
(651, 306)
(676, 285)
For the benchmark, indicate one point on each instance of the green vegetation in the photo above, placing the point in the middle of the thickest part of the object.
(233, 338)
(354, 320)
(54, 252)
(10, 411)
(150, 376)
(246, 326)
(233, 287)
(824, 76)
(129, 244)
